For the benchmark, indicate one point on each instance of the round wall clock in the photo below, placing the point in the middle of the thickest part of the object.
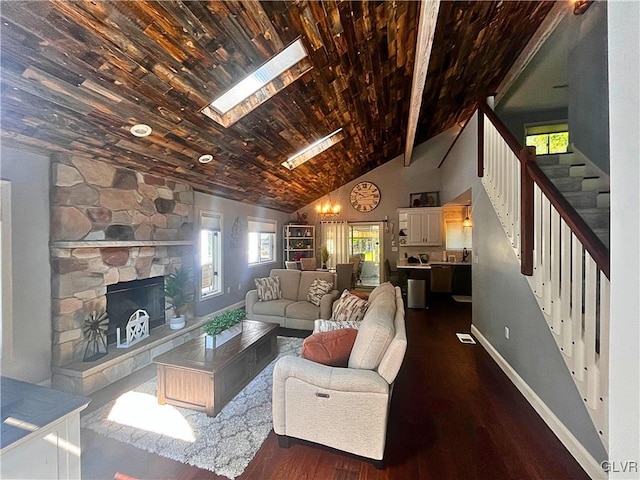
(365, 196)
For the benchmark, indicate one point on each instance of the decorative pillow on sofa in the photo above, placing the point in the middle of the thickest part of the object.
(362, 295)
(330, 348)
(321, 325)
(349, 308)
(317, 289)
(268, 288)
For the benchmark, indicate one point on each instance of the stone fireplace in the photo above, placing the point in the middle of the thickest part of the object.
(109, 226)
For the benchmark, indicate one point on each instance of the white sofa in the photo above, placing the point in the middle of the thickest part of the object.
(292, 310)
(346, 408)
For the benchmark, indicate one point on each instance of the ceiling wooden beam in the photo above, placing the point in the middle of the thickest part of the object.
(426, 31)
(547, 27)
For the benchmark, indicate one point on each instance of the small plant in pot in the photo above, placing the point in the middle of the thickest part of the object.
(178, 290)
(223, 327)
(325, 255)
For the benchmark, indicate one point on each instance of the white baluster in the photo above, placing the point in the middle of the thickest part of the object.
(554, 279)
(576, 307)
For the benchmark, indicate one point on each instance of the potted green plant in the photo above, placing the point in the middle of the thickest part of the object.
(325, 255)
(223, 327)
(178, 290)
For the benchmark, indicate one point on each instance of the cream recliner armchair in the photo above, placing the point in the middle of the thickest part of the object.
(346, 408)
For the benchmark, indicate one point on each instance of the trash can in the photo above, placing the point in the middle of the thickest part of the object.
(416, 293)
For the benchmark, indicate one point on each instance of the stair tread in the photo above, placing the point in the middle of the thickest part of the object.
(593, 210)
(583, 193)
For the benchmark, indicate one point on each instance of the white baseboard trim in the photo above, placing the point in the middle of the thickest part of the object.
(582, 456)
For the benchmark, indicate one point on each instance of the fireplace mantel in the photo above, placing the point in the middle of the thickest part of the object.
(120, 243)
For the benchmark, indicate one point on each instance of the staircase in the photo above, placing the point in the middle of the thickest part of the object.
(555, 212)
(584, 188)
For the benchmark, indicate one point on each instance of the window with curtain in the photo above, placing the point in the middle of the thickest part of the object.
(335, 236)
(210, 254)
(262, 241)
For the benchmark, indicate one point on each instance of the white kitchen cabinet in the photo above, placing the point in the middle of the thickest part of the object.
(421, 226)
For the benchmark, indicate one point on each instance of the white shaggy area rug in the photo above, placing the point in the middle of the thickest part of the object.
(224, 444)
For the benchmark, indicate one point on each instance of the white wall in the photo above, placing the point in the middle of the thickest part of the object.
(624, 106)
(396, 182)
(236, 274)
(31, 272)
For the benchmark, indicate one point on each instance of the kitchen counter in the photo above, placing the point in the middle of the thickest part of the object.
(428, 265)
(415, 266)
(455, 264)
(439, 277)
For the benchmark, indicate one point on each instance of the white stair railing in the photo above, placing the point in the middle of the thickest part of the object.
(571, 290)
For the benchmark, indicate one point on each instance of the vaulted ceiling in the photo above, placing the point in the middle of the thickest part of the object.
(75, 76)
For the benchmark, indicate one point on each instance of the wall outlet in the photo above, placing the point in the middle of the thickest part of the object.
(239, 286)
(506, 333)
(228, 289)
(475, 259)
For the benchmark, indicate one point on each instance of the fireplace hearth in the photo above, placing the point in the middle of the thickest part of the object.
(125, 298)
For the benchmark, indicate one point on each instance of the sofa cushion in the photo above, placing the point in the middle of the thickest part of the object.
(349, 308)
(330, 348)
(383, 287)
(375, 334)
(306, 278)
(273, 307)
(317, 289)
(268, 288)
(289, 282)
(302, 310)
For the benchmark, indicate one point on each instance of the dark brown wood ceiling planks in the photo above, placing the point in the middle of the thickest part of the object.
(77, 75)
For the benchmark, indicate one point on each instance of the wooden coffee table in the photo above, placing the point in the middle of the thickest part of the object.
(194, 377)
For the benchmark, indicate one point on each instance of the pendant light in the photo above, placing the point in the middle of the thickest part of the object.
(467, 222)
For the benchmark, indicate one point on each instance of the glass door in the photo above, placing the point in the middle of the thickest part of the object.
(365, 239)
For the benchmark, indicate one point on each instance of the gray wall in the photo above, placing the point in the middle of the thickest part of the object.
(576, 55)
(236, 271)
(395, 182)
(502, 297)
(588, 85)
(624, 358)
(31, 272)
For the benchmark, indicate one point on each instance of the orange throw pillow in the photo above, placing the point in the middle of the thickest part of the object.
(330, 348)
(362, 295)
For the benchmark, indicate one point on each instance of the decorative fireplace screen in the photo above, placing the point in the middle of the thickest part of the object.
(125, 298)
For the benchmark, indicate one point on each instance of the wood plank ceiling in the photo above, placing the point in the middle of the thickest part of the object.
(75, 76)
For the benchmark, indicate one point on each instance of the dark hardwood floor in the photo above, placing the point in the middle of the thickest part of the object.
(454, 414)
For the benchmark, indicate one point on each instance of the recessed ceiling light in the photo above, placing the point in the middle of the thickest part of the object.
(141, 130)
(205, 158)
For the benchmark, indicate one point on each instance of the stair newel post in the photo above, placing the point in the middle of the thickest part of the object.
(527, 155)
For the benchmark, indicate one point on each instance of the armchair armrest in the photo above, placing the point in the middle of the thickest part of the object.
(323, 376)
(250, 299)
(326, 304)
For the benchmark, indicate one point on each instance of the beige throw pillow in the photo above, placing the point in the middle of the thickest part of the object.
(349, 308)
(268, 288)
(317, 289)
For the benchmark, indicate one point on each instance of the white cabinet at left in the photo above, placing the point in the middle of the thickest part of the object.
(420, 226)
(40, 432)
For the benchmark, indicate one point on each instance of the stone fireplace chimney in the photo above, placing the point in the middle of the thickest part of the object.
(109, 225)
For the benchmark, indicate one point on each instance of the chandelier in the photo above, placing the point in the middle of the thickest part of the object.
(328, 209)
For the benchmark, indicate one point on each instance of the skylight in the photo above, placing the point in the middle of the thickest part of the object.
(273, 76)
(314, 149)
